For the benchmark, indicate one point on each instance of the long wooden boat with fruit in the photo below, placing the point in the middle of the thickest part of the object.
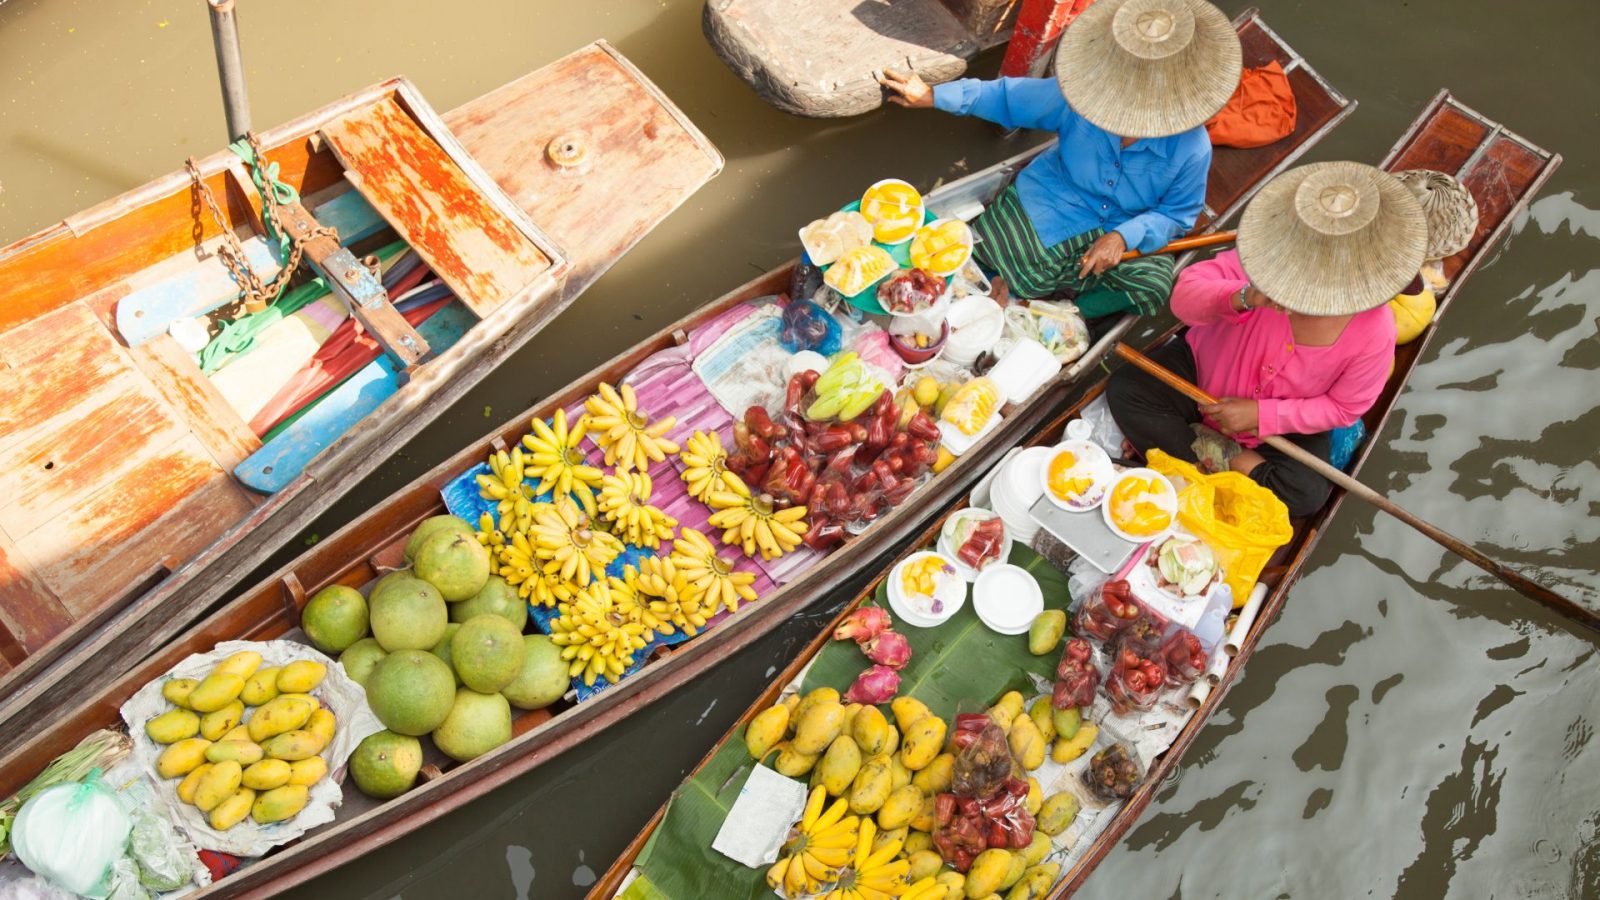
(961, 667)
(143, 480)
(660, 378)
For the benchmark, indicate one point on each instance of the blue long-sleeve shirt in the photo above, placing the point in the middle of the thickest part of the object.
(1150, 193)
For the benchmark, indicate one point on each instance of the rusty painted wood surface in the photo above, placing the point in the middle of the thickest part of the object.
(404, 174)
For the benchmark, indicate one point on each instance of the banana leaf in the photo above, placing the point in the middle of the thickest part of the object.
(958, 666)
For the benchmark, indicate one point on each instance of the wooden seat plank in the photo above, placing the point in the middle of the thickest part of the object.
(30, 610)
(477, 250)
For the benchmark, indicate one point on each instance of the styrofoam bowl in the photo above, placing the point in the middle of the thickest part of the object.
(952, 592)
(1007, 598)
(1168, 501)
(946, 547)
(1096, 464)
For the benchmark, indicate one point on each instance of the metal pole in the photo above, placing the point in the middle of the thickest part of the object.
(230, 68)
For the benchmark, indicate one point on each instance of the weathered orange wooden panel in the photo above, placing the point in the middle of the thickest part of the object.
(30, 609)
(1444, 144)
(403, 173)
(75, 359)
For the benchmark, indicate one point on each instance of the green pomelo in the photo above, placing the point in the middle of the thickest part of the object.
(477, 723)
(487, 652)
(411, 692)
(434, 525)
(442, 649)
(407, 613)
(455, 564)
(385, 765)
(360, 658)
(497, 598)
(335, 618)
(543, 678)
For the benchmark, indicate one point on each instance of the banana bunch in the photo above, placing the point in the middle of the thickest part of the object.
(517, 561)
(625, 501)
(872, 873)
(556, 460)
(754, 523)
(566, 540)
(635, 607)
(818, 847)
(624, 433)
(657, 582)
(705, 458)
(490, 535)
(709, 581)
(506, 485)
(596, 636)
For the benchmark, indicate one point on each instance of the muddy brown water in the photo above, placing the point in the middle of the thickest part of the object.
(1407, 728)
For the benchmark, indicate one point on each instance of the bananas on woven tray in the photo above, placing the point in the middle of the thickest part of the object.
(625, 502)
(626, 434)
(555, 459)
(753, 522)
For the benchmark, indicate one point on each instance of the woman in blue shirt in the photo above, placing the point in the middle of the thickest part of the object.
(1135, 82)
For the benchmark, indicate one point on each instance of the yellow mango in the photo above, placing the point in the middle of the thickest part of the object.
(899, 775)
(307, 771)
(902, 806)
(1036, 882)
(818, 726)
(182, 757)
(839, 765)
(987, 872)
(322, 725)
(850, 712)
(191, 783)
(292, 745)
(1037, 849)
(173, 726)
(935, 777)
(301, 677)
(266, 775)
(1008, 707)
(766, 730)
(1057, 813)
(1043, 715)
(906, 711)
(177, 691)
(810, 700)
(216, 691)
(871, 731)
(871, 787)
(243, 664)
(922, 743)
(924, 863)
(1035, 798)
(1068, 749)
(793, 763)
(927, 818)
(213, 725)
(237, 733)
(232, 811)
(1026, 743)
(955, 884)
(218, 785)
(918, 841)
(279, 715)
(261, 687)
(279, 803)
(1014, 875)
(1067, 721)
(792, 704)
(244, 753)
(882, 839)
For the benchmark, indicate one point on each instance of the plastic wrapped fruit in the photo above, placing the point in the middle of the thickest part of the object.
(942, 247)
(1113, 773)
(972, 405)
(895, 210)
(910, 291)
(828, 239)
(857, 269)
(1107, 611)
(1137, 678)
(1076, 676)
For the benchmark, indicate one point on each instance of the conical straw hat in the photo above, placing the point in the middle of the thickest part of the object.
(1333, 238)
(1448, 207)
(1149, 68)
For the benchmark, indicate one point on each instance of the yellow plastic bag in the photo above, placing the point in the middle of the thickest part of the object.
(1241, 521)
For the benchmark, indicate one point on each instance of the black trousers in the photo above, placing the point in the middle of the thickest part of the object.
(1154, 415)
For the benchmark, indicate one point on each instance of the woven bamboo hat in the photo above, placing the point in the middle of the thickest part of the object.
(1448, 207)
(1333, 238)
(1149, 68)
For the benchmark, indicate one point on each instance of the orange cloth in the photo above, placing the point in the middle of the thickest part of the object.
(1260, 112)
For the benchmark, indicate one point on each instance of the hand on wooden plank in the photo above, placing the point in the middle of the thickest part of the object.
(907, 90)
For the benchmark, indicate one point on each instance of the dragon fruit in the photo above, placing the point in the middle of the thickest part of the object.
(890, 648)
(863, 625)
(876, 685)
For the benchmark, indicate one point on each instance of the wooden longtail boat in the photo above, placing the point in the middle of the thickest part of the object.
(1504, 172)
(88, 698)
(135, 495)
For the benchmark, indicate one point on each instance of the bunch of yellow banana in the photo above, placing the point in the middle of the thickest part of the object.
(624, 432)
(635, 607)
(597, 637)
(754, 522)
(872, 873)
(927, 889)
(557, 461)
(625, 501)
(506, 486)
(657, 582)
(565, 538)
(708, 579)
(517, 561)
(490, 535)
(704, 457)
(818, 846)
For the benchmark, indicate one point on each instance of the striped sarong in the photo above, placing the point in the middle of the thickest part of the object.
(1008, 245)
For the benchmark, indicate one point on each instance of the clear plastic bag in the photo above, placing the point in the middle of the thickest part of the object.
(163, 856)
(73, 834)
(807, 326)
(1058, 326)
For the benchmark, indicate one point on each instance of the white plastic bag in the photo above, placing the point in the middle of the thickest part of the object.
(1106, 433)
(72, 835)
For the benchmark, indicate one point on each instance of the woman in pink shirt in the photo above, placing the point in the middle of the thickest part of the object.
(1285, 354)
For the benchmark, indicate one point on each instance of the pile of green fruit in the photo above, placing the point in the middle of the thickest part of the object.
(440, 651)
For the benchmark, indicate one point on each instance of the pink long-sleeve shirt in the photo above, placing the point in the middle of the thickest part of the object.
(1253, 355)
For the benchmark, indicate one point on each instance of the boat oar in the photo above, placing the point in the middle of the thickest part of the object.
(1523, 585)
(1189, 243)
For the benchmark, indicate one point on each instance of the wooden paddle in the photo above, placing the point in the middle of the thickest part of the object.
(1523, 585)
(1189, 243)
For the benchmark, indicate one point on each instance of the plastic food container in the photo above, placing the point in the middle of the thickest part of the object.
(950, 543)
(1007, 598)
(976, 323)
(1023, 369)
(1092, 462)
(924, 611)
(956, 228)
(1167, 499)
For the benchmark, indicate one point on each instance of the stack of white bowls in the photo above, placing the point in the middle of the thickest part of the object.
(1015, 488)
